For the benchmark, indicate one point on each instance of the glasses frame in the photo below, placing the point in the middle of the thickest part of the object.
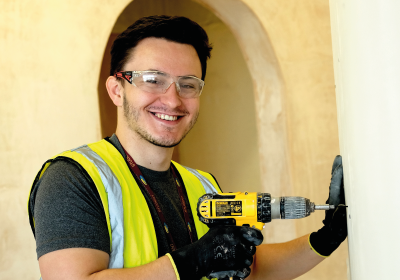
(128, 76)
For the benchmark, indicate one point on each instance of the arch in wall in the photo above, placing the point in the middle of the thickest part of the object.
(269, 101)
(267, 90)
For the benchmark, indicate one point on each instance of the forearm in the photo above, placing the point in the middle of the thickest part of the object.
(158, 269)
(89, 264)
(284, 261)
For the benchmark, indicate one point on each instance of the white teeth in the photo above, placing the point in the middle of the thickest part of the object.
(166, 117)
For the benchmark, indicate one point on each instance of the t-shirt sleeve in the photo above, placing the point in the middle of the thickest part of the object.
(68, 211)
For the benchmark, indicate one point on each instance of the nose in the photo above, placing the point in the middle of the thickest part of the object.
(171, 96)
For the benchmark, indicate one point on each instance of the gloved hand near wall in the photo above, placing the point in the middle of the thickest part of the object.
(223, 251)
(334, 232)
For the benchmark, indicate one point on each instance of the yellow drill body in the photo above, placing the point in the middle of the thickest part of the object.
(242, 208)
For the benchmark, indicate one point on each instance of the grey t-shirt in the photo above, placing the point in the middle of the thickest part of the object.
(68, 212)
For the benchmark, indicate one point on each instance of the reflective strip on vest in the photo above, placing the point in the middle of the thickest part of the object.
(115, 206)
(207, 185)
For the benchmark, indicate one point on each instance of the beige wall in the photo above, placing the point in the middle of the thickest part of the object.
(50, 58)
(50, 55)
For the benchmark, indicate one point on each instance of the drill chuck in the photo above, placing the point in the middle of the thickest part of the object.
(285, 207)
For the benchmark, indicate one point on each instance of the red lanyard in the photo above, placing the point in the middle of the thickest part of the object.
(136, 171)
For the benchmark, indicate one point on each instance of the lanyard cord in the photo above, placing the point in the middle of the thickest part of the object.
(138, 174)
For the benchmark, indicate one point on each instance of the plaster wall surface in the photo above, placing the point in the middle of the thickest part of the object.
(366, 41)
(299, 32)
(301, 38)
(50, 57)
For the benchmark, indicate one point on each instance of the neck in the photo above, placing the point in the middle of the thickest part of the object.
(145, 153)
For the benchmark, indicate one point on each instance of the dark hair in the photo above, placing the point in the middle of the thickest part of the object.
(172, 28)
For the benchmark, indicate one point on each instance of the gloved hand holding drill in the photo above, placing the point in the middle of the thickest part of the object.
(334, 232)
(224, 251)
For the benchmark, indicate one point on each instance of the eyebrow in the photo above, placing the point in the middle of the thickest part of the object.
(156, 70)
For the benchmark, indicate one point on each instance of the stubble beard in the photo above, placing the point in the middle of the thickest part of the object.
(132, 117)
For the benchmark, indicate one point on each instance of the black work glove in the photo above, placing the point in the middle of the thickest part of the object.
(232, 275)
(334, 231)
(223, 251)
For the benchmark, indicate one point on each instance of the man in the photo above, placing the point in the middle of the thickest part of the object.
(120, 209)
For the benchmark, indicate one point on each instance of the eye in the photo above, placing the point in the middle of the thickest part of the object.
(188, 86)
(153, 80)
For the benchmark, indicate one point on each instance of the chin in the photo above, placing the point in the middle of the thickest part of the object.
(165, 142)
(165, 145)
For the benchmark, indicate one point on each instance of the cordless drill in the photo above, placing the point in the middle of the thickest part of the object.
(253, 209)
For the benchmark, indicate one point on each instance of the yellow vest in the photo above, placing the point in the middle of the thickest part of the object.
(130, 225)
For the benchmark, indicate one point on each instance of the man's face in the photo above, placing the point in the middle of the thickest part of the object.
(161, 119)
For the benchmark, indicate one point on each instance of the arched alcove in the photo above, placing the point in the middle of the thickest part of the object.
(240, 136)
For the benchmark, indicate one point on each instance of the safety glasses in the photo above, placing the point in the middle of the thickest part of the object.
(158, 82)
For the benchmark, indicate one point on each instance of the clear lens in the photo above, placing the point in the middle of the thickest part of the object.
(150, 82)
(190, 87)
(158, 82)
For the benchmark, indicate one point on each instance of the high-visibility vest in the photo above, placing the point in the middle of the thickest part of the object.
(130, 225)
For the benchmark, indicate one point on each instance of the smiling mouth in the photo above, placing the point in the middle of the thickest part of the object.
(166, 117)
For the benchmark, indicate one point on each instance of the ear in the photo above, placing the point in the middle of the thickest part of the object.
(115, 90)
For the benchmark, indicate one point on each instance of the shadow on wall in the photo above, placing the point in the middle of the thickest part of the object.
(224, 140)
